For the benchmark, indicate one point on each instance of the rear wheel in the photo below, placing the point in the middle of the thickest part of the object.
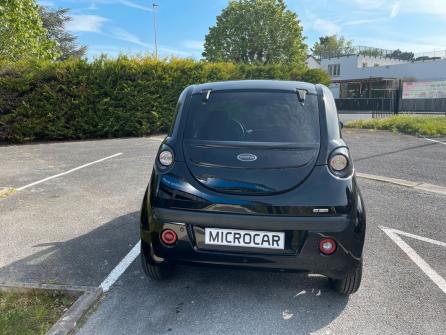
(158, 271)
(350, 283)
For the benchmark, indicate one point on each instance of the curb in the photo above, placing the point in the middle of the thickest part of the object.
(69, 320)
(405, 183)
(22, 287)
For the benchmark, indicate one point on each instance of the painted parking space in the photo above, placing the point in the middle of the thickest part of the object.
(397, 155)
(207, 300)
(396, 236)
(76, 229)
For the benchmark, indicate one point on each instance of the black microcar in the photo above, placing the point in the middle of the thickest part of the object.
(255, 174)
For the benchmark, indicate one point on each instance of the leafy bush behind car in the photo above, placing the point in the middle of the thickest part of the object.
(107, 98)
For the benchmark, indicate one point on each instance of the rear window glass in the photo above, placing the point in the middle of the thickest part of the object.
(253, 116)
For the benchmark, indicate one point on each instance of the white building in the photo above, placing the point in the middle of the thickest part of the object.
(356, 76)
(312, 63)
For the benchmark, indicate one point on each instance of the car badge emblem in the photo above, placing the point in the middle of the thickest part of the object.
(320, 210)
(247, 157)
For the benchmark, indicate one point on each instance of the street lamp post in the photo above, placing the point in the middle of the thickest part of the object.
(154, 5)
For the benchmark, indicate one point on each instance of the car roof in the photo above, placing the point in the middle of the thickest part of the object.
(255, 85)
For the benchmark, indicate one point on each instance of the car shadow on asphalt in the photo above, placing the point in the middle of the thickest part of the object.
(195, 300)
(242, 301)
(82, 261)
(216, 300)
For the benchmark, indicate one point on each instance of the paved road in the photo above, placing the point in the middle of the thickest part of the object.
(397, 155)
(354, 116)
(76, 228)
(395, 298)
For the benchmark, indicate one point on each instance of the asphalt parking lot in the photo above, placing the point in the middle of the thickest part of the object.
(76, 228)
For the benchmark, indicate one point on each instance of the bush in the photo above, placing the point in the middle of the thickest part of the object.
(107, 98)
(408, 124)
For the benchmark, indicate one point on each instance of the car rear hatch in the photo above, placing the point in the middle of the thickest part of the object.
(251, 142)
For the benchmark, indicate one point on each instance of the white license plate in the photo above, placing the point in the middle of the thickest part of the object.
(244, 238)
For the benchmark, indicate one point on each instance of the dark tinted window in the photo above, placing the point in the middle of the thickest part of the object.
(259, 116)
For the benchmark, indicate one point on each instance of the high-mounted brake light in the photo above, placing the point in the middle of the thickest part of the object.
(166, 158)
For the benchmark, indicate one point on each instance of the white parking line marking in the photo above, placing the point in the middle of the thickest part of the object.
(430, 139)
(120, 268)
(421, 238)
(67, 172)
(420, 262)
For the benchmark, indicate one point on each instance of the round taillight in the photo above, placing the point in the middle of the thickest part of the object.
(327, 246)
(166, 158)
(169, 237)
(338, 162)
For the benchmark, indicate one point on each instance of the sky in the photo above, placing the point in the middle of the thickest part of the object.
(126, 26)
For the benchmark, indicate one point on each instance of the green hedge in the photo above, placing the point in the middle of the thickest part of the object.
(110, 98)
(408, 124)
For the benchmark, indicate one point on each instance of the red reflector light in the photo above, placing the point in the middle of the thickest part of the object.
(327, 246)
(169, 237)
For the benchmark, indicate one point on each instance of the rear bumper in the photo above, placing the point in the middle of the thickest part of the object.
(302, 237)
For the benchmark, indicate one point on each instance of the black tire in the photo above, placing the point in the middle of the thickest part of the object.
(350, 283)
(156, 272)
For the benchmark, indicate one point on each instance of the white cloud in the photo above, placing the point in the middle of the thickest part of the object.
(169, 51)
(431, 7)
(419, 45)
(124, 35)
(90, 23)
(369, 4)
(192, 44)
(92, 6)
(326, 27)
(395, 9)
(135, 5)
(138, 4)
(358, 22)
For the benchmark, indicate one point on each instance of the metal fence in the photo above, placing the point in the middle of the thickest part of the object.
(382, 107)
(423, 106)
(378, 107)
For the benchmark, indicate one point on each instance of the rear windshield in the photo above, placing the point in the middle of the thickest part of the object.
(253, 116)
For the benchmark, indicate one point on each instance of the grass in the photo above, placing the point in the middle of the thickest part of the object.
(31, 312)
(6, 191)
(408, 124)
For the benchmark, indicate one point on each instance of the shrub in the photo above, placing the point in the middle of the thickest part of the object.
(408, 124)
(106, 98)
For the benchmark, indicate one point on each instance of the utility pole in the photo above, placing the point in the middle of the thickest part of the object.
(154, 5)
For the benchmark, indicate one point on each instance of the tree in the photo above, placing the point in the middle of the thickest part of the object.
(22, 35)
(398, 54)
(256, 32)
(332, 46)
(54, 22)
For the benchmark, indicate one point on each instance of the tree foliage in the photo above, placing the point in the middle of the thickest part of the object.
(398, 54)
(54, 23)
(332, 46)
(256, 32)
(22, 35)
